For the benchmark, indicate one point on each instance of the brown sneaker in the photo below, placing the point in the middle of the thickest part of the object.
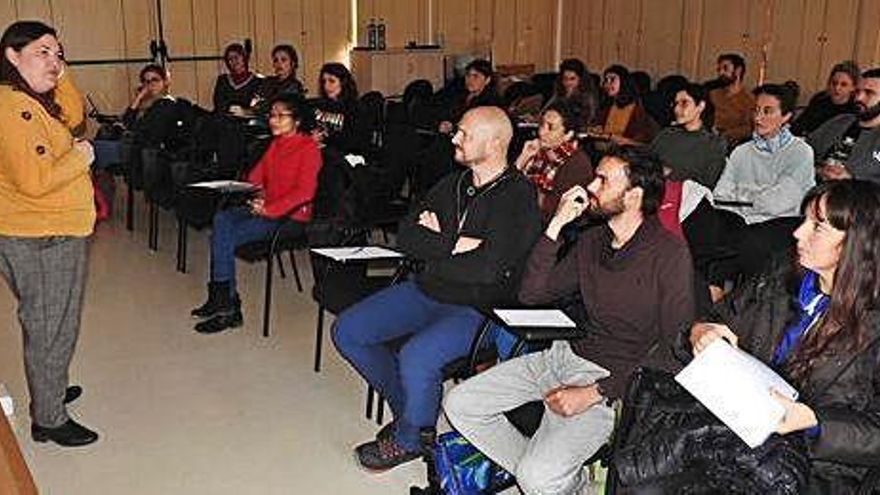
(382, 455)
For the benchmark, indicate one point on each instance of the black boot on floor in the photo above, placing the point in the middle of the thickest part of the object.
(212, 306)
(228, 314)
(70, 434)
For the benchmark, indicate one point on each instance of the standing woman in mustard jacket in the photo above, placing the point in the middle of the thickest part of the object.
(46, 215)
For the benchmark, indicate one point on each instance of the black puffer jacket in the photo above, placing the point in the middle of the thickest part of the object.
(843, 389)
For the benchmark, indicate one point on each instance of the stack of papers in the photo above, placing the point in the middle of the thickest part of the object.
(736, 386)
(358, 253)
(535, 318)
(225, 185)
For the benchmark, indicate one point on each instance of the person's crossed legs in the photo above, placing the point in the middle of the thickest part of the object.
(412, 379)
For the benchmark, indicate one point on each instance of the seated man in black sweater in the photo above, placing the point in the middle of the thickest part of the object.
(635, 280)
(473, 231)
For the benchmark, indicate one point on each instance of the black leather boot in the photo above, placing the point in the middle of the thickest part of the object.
(70, 434)
(227, 314)
(212, 305)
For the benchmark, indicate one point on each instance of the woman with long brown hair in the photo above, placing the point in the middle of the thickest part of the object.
(826, 343)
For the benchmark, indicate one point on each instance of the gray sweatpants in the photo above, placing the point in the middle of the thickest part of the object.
(47, 275)
(550, 462)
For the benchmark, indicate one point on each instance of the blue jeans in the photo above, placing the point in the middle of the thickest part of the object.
(107, 153)
(232, 228)
(412, 379)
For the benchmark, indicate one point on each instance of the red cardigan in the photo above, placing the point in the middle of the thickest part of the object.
(288, 175)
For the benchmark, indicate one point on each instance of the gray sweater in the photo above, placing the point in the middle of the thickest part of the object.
(775, 183)
(864, 161)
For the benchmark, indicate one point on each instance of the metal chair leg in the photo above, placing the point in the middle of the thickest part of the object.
(182, 231)
(380, 409)
(267, 304)
(129, 207)
(153, 228)
(319, 338)
(299, 285)
(281, 269)
(369, 412)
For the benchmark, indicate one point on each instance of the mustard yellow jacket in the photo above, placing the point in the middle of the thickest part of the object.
(45, 187)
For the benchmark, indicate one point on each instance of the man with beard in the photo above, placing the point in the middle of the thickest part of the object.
(635, 279)
(473, 231)
(733, 102)
(849, 145)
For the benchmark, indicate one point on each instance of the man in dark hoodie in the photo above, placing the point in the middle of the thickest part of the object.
(473, 231)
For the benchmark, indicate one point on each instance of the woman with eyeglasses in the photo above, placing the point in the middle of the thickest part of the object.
(818, 325)
(149, 116)
(236, 89)
(621, 118)
(47, 214)
(286, 178)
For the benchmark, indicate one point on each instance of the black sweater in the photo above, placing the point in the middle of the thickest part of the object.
(503, 213)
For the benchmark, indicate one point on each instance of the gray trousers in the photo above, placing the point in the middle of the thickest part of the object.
(550, 462)
(47, 275)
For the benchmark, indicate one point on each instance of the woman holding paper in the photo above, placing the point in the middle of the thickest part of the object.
(287, 177)
(827, 344)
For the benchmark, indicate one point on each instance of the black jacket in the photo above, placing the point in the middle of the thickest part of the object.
(844, 396)
(503, 213)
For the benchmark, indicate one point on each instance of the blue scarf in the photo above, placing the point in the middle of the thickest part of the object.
(774, 144)
(812, 304)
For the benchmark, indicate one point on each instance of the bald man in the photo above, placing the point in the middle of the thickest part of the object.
(472, 231)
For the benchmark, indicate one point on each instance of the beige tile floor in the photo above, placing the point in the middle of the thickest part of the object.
(183, 413)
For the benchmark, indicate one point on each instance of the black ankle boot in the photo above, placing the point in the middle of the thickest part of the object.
(214, 304)
(220, 322)
(227, 315)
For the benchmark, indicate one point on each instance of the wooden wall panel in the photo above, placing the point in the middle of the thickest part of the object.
(8, 12)
(867, 50)
(840, 32)
(660, 37)
(337, 29)
(312, 53)
(178, 21)
(456, 24)
(34, 9)
(100, 39)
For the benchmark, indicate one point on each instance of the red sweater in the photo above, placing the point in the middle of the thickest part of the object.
(288, 176)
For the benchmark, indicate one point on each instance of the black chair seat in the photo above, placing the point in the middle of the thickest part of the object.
(259, 250)
(341, 296)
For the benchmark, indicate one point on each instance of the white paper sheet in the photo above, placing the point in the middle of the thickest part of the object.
(550, 318)
(358, 253)
(736, 386)
(225, 185)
